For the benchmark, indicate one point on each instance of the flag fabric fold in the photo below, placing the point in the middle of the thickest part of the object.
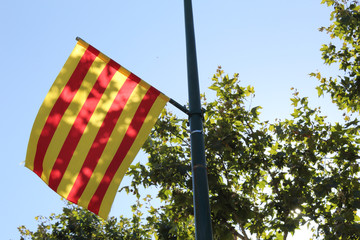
(91, 125)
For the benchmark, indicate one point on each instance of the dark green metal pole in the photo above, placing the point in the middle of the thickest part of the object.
(203, 230)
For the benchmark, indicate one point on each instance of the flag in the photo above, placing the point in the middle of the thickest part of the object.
(89, 128)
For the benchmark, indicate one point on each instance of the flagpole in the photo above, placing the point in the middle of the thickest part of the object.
(178, 106)
(203, 229)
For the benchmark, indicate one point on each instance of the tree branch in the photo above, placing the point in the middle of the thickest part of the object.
(235, 233)
(244, 232)
(285, 235)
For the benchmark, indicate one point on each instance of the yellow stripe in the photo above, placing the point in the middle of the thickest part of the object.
(90, 133)
(101, 55)
(144, 132)
(82, 43)
(164, 98)
(50, 99)
(113, 144)
(69, 117)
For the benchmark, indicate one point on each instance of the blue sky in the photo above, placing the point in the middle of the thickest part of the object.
(273, 45)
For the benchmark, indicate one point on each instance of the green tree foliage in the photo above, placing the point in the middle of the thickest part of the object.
(344, 52)
(75, 223)
(266, 180)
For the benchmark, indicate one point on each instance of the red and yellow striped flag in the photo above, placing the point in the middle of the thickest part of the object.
(90, 127)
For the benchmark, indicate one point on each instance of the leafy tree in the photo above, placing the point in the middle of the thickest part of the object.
(75, 223)
(344, 52)
(266, 180)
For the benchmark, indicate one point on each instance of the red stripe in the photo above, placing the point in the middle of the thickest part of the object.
(124, 148)
(102, 138)
(61, 105)
(80, 123)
